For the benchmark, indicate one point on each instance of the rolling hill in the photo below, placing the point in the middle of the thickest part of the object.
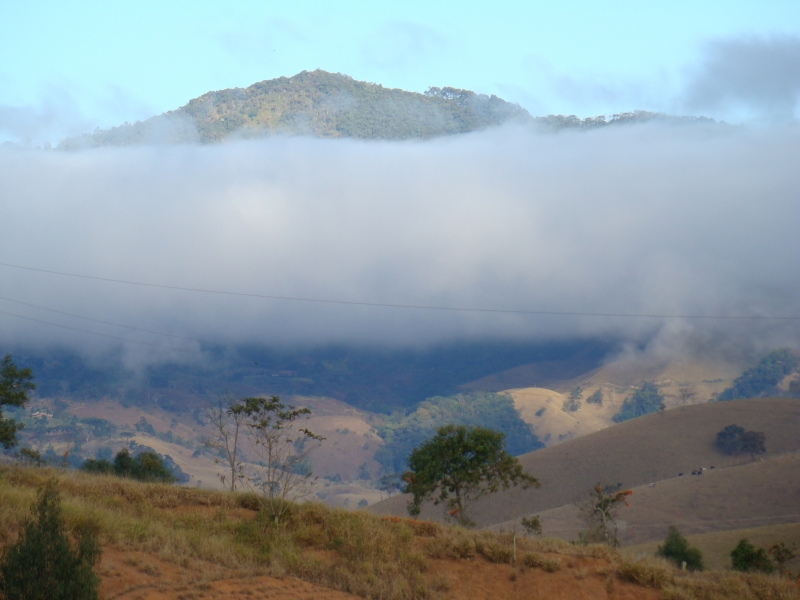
(638, 452)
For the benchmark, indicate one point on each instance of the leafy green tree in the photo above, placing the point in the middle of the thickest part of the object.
(753, 442)
(42, 565)
(729, 439)
(644, 401)
(746, 557)
(676, 548)
(733, 439)
(459, 465)
(14, 387)
(762, 380)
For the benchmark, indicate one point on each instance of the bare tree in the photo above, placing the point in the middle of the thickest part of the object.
(686, 395)
(227, 418)
(599, 508)
(282, 472)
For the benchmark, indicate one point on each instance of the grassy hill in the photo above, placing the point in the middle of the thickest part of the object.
(638, 452)
(754, 494)
(680, 383)
(316, 103)
(167, 542)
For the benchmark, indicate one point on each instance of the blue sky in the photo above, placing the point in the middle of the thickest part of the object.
(70, 67)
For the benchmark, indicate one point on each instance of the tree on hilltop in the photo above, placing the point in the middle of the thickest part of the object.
(459, 465)
(733, 439)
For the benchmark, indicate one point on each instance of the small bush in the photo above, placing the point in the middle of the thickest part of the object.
(536, 560)
(41, 565)
(644, 573)
(677, 550)
(746, 557)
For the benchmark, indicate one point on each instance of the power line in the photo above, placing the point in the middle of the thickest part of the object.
(60, 312)
(410, 306)
(113, 337)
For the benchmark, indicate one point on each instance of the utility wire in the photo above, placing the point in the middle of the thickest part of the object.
(408, 306)
(60, 312)
(113, 337)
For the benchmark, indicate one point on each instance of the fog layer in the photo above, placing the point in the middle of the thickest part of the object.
(631, 220)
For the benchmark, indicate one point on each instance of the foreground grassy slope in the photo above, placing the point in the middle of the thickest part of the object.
(168, 542)
(649, 449)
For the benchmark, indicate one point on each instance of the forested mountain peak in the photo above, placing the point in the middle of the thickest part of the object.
(334, 105)
(315, 103)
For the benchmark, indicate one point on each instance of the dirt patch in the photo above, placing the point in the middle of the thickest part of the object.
(141, 576)
(578, 579)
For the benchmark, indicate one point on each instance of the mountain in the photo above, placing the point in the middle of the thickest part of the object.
(315, 103)
(333, 105)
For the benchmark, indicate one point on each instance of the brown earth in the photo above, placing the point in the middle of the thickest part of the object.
(638, 452)
(142, 576)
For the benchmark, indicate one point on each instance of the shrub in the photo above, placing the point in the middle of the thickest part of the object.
(534, 559)
(676, 549)
(644, 573)
(42, 565)
(746, 557)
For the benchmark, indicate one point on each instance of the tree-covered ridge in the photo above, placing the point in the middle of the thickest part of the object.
(319, 104)
(763, 379)
(333, 105)
(403, 433)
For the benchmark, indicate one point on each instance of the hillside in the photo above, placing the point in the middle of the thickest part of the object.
(680, 383)
(315, 103)
(166, 542)
(754, 494)
(638, 452)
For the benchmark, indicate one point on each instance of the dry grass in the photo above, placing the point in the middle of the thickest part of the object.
(681, 585)
(220, 535)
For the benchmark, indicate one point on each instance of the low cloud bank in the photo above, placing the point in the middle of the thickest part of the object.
(630, 220)
(748, 77)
